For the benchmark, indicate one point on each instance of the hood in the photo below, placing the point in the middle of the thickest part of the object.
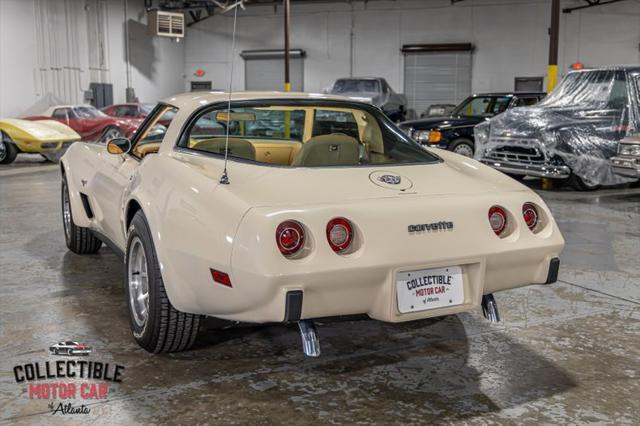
(43, 131)
(260, 186)
(441, 123)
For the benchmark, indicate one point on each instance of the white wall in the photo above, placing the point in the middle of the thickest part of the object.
(60, 46)
(510, 36)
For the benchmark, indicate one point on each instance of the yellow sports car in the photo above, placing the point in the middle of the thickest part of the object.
(48, 138)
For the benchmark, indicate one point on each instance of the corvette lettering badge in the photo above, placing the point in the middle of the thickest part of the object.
(428, 227)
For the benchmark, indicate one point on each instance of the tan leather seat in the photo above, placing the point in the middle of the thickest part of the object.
(328, 150)
(372, 140)
(148, 148)
(239, 148)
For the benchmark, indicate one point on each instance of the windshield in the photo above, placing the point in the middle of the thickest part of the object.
(88, 112)
(303, 134)
(356, 86)
(599, 89)
(146, 108)
(482, 105)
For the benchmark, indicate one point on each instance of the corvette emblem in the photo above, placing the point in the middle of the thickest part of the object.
(390, 179)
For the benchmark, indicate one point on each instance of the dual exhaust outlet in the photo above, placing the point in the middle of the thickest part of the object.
(311, 342)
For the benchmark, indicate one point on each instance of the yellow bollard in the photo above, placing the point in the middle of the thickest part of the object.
(547, 184)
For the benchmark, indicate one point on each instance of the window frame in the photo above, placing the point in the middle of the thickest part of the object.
(386, 127)
(149, 120)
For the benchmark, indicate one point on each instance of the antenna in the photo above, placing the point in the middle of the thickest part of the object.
(224, 179)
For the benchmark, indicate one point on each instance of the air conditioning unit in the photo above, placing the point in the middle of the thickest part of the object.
(165, 24)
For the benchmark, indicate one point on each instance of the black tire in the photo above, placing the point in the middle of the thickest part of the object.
(463, 147)
(8, 150)
(79, 240)
(109, 133)
(165, 329)
(579, 184)
(519, 178)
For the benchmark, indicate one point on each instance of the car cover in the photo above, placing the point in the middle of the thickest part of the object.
(578, 124)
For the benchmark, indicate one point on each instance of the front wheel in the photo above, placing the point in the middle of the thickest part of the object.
(580, 184)
(8, 151)
(79, 240)
(156, 325)
(462, 147)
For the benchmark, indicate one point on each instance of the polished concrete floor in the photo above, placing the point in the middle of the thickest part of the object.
(565, 353)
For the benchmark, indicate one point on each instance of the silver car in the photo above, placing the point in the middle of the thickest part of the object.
(374, 90)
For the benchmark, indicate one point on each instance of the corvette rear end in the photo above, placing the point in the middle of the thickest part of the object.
(374, 251)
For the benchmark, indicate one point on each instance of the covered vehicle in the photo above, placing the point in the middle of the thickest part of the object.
(571, 134)
(455, 131)
(48, 138)
(374, 90)
(284, 216)
(91, 123)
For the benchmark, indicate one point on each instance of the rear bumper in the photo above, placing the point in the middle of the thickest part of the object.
(626, 166)
(535, 170)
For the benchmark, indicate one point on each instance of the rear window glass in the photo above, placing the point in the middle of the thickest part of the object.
(302, 134)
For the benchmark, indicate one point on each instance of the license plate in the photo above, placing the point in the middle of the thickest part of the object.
(429, 288)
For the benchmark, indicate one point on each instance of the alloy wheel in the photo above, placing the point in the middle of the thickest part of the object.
(138, 281)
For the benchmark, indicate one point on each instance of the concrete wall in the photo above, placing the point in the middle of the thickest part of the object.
(510, 38)
(58, 47)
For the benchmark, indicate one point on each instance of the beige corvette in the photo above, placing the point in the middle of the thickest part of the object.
(324, 208)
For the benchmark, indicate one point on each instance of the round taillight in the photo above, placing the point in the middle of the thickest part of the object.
(339, 234)
(290, 237)
(530, 215)
(498, 219)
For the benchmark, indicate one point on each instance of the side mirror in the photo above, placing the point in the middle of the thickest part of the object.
(118, 146)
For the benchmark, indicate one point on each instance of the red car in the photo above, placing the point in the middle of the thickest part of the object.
(130, 110)
(91, 123)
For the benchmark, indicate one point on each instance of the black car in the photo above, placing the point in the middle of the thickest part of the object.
(455, 132)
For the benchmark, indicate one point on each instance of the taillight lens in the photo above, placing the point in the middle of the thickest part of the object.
(339, 234)
(498, 219)
(290, 237)
(530, 215)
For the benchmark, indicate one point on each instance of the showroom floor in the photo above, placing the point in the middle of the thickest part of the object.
(569, 352)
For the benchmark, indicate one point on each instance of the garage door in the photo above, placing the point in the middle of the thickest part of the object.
(436, 78)
(264, 70)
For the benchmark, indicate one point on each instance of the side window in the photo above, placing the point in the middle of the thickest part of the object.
(526, 101)
(477, 106)
(328, 122)
(153, 133)
(500, 105)
(126, 111)
(61, 113)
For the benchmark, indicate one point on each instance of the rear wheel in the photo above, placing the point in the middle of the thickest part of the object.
(462, 147)
(109, 133)
(156, 325)
(79, 240)
(8, 150)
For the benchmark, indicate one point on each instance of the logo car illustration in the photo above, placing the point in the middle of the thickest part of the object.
(70, 348)
(390, 179)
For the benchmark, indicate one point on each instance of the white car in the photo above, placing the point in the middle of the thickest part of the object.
(325, 208)
(70, 348)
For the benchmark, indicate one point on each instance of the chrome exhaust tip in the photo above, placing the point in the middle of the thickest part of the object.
(310, 341)
(490, 308)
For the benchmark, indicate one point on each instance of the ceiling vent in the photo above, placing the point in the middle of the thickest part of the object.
(165, 24)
